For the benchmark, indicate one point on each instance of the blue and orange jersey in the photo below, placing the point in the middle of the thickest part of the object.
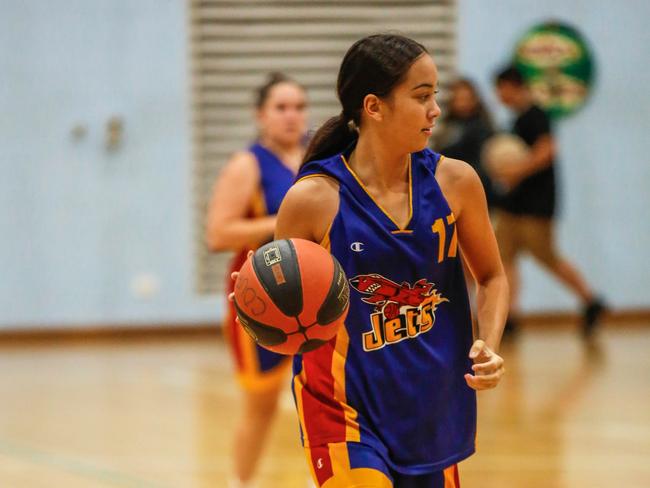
(393, 377)
(275, 180)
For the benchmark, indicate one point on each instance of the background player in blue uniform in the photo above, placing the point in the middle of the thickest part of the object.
(390, 400)
(242, 216)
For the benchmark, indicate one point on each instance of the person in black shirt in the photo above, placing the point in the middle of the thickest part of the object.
(525, 220)
(464, 129)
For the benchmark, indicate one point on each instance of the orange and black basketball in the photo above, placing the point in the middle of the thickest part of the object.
(291, 296)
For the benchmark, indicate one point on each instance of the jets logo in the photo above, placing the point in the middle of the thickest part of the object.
(401, 311)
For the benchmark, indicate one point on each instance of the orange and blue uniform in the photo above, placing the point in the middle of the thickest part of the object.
(385, 402)
(258, 368)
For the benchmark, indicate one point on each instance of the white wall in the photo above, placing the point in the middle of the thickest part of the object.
(79, 224)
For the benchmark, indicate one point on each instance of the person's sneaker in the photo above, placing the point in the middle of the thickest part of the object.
(591, 315)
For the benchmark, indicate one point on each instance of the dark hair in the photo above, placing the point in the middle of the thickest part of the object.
(509, 74)
(263, 92)
(374, 64)
(480, 110)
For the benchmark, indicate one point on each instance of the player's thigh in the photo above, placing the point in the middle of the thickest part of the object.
(538, 235)
(506, 231)
(448, 478)
(348, 465)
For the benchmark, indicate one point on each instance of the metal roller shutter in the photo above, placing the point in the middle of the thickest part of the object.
(236, 43)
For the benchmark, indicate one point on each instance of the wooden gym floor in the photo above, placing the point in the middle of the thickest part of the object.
(159, 412)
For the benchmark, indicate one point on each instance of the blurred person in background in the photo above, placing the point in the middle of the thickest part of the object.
(465, 128)
(241, 217)
(526, 217)
(463, 131)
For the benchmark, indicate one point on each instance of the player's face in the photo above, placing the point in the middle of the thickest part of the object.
(283, 117)
(463, 101)
(412, 109)
(508, 93)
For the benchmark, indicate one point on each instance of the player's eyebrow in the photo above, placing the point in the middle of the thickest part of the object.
(422, 85)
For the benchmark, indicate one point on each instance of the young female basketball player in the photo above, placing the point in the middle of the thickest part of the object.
(242, 216)
(390, 401)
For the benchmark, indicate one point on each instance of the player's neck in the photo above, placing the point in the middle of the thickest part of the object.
(377, 164)
(290, 155)
(524, 103)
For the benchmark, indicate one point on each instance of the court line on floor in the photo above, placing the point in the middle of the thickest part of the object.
(74, 466)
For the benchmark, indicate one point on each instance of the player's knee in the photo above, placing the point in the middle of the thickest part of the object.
(261, 406)
(552, 261)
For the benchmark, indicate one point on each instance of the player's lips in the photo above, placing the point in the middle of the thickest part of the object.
(428, 130)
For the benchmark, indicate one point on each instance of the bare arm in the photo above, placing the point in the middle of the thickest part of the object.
(465, 194)
(228, 225)
(479, 246)
(308, 209)
(541, 155)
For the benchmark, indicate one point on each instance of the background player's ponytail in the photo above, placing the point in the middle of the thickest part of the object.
(374, 64)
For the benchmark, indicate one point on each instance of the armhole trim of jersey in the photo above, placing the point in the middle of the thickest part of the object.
(257, 205)
(314, 175)
(325, 241)
(435, 170)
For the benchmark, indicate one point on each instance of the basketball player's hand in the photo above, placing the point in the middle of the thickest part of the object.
(234, 275)
(488, 367)
(509, 173)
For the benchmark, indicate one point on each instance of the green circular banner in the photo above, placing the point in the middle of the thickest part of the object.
(557, 65)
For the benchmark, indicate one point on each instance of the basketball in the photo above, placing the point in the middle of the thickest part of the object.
(503, 149)
(291, 296)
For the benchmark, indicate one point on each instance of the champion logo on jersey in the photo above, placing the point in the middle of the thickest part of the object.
(357, 246)
(401, 311)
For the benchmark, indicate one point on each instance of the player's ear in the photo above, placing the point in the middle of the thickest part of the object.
(372, 106)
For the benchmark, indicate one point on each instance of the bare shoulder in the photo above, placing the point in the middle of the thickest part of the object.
(308, 208)
(454, 171)
(241, 162)
(458, 182)
(235, 184)
(316, 189)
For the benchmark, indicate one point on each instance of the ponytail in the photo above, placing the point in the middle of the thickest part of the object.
(333, 137)
(374, 64)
